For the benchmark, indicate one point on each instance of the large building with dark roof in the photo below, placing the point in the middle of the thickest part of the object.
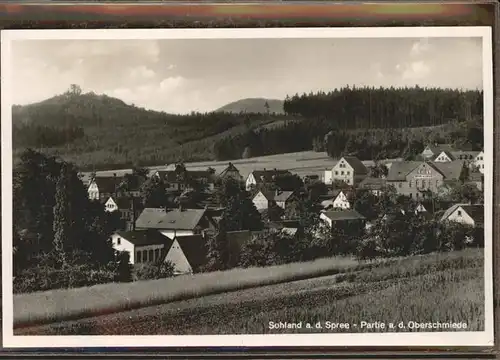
(417, 178)
(175, 222)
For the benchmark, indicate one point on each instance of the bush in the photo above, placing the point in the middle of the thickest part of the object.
(153, 271)
(47, 278)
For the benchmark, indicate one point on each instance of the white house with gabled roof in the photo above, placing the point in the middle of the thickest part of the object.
(350, 170)
(479, 162)
(341, 201)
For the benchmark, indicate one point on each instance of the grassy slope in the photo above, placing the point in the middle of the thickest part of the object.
(441, 287)
(254, 105)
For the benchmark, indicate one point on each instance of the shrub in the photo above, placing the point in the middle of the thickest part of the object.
(153, 271)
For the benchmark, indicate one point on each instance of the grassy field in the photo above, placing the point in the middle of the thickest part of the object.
(300, 163)
(434, 287)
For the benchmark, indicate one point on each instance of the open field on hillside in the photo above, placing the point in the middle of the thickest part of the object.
(434, 287)
(300, 163)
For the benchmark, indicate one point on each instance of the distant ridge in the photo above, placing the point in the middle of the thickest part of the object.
(253, 105)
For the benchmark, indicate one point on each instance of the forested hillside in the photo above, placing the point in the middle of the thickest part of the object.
(100, 132)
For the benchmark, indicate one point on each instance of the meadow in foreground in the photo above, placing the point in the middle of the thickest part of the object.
(435, 287)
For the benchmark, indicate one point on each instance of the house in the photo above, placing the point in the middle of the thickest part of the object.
(332, 218)
(444, 156)
(231, 172)
(420, 208)
(282, 198)
(176, 182)
(432, 151)
(263, 199)
(376, 185)
(479, 162)
(174, 223)
(417, 178)
(350, 170)
(472, 215)
(342, 200)
(477, 179)
(259, 177)
(129, 209)
(466, 156)
(102, 187)
(147, 246)
(187, 253)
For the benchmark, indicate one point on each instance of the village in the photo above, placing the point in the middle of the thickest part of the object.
(179, 234)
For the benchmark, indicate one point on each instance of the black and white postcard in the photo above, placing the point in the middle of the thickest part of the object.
(247, 187)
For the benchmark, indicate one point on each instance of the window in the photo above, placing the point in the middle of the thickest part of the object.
(151, 256)
(423, 184)
(138, 256)
(482, 166)
(336, 172)
(418, 184)
(348, 173)
(157, 254)
(410, 184)
(459, 212)
(400, 185)
(411, 195)
(118, 241)
(341, 173)
(417, 195)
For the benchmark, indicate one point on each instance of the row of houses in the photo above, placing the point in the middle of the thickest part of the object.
(180, 236)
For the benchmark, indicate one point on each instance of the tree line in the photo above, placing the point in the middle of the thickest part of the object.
(369, 107)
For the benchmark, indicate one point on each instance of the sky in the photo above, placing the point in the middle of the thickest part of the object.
(180, 76)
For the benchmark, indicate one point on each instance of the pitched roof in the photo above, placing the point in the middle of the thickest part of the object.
(230, 168)
(126, 203)
(399, 170)
(175, 219)
(171, 175)
(343, 215)
(372, 183)
(356, 164)
(438, 148)
(107, 184)
(268, 175)
(465, 155)
(144, 237)
(450, 170)
(194, 248)
(476, 176)
(449, 154)
(476, 212)
(283, 195)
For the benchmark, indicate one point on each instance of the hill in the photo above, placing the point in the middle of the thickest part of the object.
(253, 105)
(99, 130)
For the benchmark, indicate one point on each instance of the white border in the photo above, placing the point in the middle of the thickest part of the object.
(432, 339)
